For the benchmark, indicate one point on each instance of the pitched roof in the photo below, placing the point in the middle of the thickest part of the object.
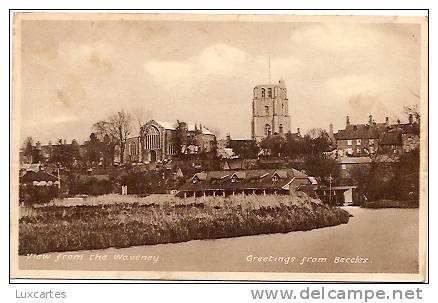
(31, 166)
(190, 127)
(408, 128)
(31, 176)
(239, 174)
(167, 125)
(247, 179)
(358, 131)
(200, 176)
(392, 137)
(281, 174)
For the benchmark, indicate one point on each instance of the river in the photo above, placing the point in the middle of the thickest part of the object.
(375, 241)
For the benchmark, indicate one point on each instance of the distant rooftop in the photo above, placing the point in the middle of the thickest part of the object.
(190, 127)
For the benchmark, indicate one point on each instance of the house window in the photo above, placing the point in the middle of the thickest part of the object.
(344, 166)
(371, 141)
(195, 180)
(349, 142)
(358, 151)
(274, 178)
(233, 179)
(267, 110)
(349, 151)
(269, 92)
(267, 129)
(358, 141)
(263, 93)
(371, 149)
(280, 128)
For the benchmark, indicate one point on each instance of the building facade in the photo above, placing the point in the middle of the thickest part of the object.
(359, 140)
(244, 182)
(270, 112)
(160, 141)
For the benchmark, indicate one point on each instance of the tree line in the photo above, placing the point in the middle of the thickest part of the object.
(107, 135)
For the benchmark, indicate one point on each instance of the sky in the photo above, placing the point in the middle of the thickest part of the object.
(76, 72)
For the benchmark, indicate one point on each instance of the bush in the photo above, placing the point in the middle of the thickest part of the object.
(91, 186)
(30, 194)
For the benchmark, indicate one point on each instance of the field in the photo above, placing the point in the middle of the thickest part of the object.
(123, 221)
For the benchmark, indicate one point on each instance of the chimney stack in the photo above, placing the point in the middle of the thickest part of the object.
(411, 118)
(370, 119)
(387, 121)
(347, 124)
(298, 131)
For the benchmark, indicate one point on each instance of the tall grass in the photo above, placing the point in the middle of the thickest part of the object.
(130, 221)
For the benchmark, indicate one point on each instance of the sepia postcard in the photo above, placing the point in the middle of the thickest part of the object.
(219, 147)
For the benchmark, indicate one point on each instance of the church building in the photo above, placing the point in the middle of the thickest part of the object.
(270, 114)
(160, 141)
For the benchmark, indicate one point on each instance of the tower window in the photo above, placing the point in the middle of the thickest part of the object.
(267, 110)
(269, 92)
(263, 93)
(267, 129)
(280, 128)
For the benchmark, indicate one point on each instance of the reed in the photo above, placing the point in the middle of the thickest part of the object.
(123, 221)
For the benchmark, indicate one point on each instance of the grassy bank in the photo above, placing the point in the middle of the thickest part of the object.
(171, 220)
(384, 203)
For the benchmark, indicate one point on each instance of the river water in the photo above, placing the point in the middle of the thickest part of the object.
(375, 241)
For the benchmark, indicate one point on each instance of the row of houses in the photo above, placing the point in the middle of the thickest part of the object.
(370, 139)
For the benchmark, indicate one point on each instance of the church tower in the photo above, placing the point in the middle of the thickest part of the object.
(270, 113)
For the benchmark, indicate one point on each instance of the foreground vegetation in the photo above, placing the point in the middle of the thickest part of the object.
(129, 221)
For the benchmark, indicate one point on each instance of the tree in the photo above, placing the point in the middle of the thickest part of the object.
(115, 130)
(121, 125)
(93, 149)
(412, 110)
(275, 144)
(108, 150)
(245, 149)
(101, 129)
(29, 151)
(28, 147)
(318, 141)
(296, 146)
(322, 167)
(65, 154)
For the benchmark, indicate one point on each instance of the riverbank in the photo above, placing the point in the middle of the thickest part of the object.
(385, 203)
(85, 227)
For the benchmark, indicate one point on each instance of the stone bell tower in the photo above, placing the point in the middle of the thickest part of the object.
(270, 113)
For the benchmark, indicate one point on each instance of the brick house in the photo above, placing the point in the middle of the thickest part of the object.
(358, 139)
